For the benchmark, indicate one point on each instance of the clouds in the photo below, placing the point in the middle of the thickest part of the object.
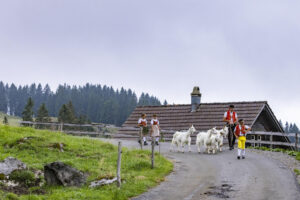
(161, 47)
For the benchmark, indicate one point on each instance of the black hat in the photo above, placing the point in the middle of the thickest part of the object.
(231, 106)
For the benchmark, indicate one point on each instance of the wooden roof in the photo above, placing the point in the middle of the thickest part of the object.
(208, 115)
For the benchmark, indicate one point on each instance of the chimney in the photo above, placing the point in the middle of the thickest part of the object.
(195, 98)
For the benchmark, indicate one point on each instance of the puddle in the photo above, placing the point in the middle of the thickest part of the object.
(222, 191)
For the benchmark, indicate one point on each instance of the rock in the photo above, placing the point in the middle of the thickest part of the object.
(11, 164)
(102, 182)
(58, 173)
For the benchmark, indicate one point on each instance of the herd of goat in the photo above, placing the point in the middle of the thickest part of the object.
(211, 141)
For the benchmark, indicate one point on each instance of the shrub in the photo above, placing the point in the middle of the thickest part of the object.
(24, 177)
(11, 196)
(297, 172)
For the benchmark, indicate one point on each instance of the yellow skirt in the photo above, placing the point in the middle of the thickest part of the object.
(241, 142)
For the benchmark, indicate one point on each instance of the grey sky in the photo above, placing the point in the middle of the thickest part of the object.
(233, 50)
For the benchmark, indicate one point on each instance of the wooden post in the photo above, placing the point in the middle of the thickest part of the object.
(296, 141)
(141, 137)
(119, 164)
(152, 155)
(271, 139)
(61, 127)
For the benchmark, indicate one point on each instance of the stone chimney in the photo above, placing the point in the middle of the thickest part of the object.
(195, 99)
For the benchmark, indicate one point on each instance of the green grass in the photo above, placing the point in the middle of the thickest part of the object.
(295, 154)
(12, 120)
(297, 172)
(94, 157)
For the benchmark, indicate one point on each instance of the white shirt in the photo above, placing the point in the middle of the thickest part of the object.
(142, 120)
(154, 120)
(231, 114)
(246, 127)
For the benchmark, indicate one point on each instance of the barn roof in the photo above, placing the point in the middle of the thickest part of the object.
(207, 115)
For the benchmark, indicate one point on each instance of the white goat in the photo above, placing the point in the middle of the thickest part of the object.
(206, 140)
(221, 134)
(181, 138)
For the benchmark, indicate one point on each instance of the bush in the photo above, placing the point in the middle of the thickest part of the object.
(297, 172)
(24, 177)
(11, 196)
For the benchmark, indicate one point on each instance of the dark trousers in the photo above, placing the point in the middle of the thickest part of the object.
(231, 136)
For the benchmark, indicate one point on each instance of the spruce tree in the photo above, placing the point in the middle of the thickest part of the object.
(165, 102)
(5, 120)
(42, 114)
(64, 114)
(28, 111)
(286, 128)
(72, 115)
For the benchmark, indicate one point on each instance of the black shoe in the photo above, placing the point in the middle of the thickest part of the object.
(238, 157)
(230, 148)
(156, 143)
(243, 157)
(145, 143)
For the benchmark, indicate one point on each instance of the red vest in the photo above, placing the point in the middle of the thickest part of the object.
(239, 132)
(143, 123)
(228, 117)
(155, 122)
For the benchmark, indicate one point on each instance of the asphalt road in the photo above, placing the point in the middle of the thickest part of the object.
(222, 176)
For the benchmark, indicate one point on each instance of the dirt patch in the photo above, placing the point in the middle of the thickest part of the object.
(222, 191)
(20, 190)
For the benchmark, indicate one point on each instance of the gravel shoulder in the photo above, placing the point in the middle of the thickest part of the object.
(266, 175)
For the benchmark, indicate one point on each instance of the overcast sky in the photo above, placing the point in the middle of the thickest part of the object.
(234, 50)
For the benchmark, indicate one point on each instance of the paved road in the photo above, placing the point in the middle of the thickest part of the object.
(222, 176)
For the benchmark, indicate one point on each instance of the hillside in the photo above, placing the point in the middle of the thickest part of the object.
(96, 158)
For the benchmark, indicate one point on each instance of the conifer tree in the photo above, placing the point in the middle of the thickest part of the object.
(28, 111)
(64, 114)
(5, 120)
(42, 114)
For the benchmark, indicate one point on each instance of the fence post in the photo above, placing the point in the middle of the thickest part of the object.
(61, 127)
(152, 155)
(141, 137)
(119, 164)
(271, 139)
(296, 141)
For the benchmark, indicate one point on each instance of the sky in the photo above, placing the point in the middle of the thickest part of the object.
(233, 50)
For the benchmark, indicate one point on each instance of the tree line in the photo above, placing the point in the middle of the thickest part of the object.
(90, 102)
(289, 127)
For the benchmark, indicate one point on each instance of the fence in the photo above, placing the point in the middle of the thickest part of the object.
(95, 128)
(259, 138)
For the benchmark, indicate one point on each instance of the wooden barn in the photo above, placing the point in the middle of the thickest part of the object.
(266, 130)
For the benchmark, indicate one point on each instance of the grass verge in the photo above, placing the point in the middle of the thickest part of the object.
(96, 158)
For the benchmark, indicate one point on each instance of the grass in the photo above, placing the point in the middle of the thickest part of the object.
(295, 154)
(91, 156)
(12, 120)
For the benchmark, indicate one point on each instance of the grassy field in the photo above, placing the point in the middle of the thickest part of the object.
(94, 157)
(12, 121)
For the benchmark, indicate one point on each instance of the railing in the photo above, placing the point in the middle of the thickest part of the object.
(63, 127)
(287, 143)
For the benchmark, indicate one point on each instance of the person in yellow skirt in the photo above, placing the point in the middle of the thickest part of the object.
(240, 133)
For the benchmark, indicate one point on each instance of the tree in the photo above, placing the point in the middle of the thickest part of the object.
(72, 115)
(28, 112)
(42, 114)
(286, 129)
(64, 114)
(165, 102)
(5, 120)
